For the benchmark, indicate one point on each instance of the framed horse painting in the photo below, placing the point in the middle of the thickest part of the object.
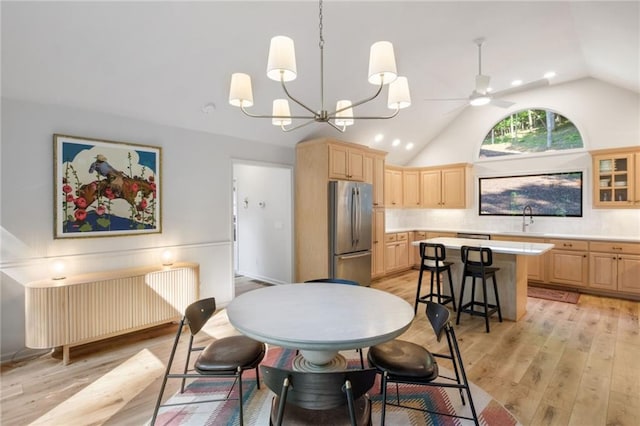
(105, 188)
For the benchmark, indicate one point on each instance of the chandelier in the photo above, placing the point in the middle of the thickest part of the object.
(281, 66)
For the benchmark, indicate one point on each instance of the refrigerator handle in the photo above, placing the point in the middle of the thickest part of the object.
(353, 216)
(359, 216)
(354, 256)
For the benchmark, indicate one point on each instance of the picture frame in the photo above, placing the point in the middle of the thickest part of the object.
(105, 188)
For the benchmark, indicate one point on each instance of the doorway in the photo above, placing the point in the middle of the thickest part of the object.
(263, 221)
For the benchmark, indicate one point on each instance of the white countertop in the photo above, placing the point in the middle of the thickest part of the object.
(506, 247)
(628, 239)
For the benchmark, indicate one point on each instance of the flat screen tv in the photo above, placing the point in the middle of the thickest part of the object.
(548, 194)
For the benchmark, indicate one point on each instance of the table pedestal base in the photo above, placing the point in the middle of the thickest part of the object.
(304, 361)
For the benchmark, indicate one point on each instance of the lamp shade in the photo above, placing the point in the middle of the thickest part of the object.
(281, 108)
(282, 59)
(382, 63)
(240, 93)
(399, 96)
(344, 118)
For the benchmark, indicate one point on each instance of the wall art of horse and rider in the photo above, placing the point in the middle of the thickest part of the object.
(105, 188)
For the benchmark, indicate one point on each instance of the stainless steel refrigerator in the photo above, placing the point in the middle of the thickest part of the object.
(350, 207)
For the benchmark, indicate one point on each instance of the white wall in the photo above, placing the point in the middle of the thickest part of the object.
(265, 222)
(196, 190)
(606, 116)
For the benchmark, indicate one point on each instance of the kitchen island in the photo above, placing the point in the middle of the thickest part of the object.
(509, 256)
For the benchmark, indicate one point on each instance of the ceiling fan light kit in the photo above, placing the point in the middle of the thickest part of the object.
(281, 66)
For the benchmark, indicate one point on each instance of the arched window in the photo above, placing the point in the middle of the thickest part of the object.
(530, 131)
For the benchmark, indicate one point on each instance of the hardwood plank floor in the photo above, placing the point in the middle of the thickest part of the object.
(562, 364)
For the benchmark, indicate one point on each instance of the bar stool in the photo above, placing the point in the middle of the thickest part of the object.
(433, 260)
(477, 264)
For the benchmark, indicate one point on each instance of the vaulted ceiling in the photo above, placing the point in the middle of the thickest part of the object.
(164, 61)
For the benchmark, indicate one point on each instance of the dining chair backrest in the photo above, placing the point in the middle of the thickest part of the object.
(198, 313)
(333, 281)
(439, 317)
(317, 390)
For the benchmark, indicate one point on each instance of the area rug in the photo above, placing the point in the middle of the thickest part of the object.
(257, 401)
(551, 294)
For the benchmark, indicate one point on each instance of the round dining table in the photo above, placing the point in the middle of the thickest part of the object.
(320, 320)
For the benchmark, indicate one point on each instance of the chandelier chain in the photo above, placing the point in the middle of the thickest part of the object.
(321, 43)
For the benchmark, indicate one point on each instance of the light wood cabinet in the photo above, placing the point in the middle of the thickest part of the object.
(616, 178)
(374, 174)
(396, 256)
(346, 163)
(569, 262)
(414, 251)
(319, 161)
(378, 244)
(444, 187)
(393, 187)
(411, 188)
(615, 266)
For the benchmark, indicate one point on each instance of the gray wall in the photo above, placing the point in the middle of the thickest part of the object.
(196, 189)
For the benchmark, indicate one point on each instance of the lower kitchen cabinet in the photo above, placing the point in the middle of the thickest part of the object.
(378, 246)
(535, 264)
(615, 267)
(569, 262)
(396, 256)
(414, 251)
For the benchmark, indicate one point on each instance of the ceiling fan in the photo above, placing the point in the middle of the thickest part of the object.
(481, 94)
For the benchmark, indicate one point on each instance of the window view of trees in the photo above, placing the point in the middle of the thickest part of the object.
(530, 131)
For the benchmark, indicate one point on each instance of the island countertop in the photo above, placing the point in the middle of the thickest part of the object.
(628, 239)
(505, 247)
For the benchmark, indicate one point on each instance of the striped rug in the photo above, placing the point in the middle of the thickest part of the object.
(257, 401)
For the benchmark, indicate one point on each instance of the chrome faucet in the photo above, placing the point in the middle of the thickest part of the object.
(524, 213)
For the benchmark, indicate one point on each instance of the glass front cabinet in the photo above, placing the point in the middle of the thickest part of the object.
(615, 181)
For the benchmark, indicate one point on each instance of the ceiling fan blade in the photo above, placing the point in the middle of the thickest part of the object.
(501, 103)
(445, 99)
(482, 83)
(523, 87)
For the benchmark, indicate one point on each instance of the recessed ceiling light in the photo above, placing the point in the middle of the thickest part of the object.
(550, 74)
(378, 137)
(516, 82)
(208, 108)
(409, 146)
(395, 142)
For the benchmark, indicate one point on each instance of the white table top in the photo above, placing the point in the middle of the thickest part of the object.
(506, 247)
(320, 316)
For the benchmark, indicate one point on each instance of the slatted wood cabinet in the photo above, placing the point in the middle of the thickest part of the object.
(85, 308)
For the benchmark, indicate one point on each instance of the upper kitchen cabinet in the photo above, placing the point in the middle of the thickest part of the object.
(411, 188)
(374, 174)
(346, 162)
(393, 187)
(444, 187)
(616, 175)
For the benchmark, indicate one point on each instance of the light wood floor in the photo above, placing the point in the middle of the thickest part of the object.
(562, 364)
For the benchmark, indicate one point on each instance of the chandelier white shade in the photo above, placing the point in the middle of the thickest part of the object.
(382, 63)
(281, 66)
(399, 96)
(344, 113)
(281, 113)
(282, 59)
(240, 94)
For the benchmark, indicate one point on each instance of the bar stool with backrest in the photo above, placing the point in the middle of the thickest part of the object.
(477, 263)
(433, 260)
